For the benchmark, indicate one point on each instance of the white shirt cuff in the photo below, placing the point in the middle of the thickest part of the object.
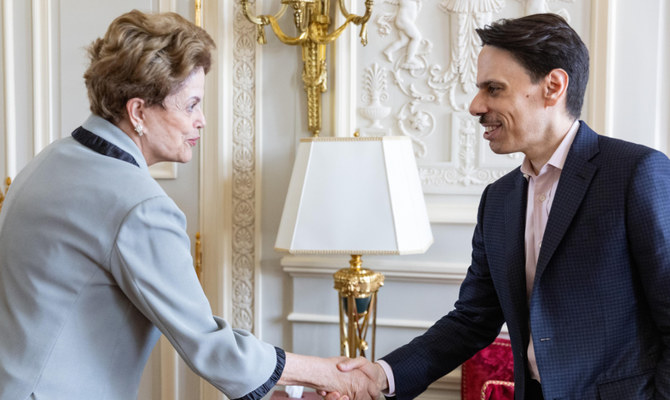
(389, 378)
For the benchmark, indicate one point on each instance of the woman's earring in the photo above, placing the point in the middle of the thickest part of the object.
(138, 129)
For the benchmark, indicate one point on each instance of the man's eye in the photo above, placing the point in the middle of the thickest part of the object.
(493, 89)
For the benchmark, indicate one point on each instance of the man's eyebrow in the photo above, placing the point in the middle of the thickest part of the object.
(483, 84)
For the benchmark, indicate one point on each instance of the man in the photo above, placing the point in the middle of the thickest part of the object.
(571, 250)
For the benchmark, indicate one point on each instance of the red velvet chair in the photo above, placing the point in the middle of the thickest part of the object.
(489, 374)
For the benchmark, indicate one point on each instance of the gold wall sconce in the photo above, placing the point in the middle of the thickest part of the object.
(312, 21)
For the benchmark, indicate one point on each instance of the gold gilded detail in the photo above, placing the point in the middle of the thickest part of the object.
(312, 24)
(357, 281)
(8, 181)
(357, 297)
(198, 13)
(198, 256)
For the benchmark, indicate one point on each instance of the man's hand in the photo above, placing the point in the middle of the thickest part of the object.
(373, 373)
(372, 370)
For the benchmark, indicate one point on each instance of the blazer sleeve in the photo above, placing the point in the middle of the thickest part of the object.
(648, 220)
(152, 263)
(472, 325)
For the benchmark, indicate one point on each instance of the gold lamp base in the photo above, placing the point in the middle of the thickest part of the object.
(357, 298)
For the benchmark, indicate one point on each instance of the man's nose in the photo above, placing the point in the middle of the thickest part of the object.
(477, 106)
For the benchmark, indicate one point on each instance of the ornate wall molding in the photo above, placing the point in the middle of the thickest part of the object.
(601, 82)
(393, 269)
(9, 77)
(43, 72)
(244, 172)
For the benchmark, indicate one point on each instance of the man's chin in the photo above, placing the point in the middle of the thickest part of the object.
(496, 148)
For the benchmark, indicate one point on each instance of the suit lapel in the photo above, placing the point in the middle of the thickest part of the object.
(572, 187)
(515, 222)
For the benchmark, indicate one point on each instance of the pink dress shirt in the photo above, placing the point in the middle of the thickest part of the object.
(541, 191)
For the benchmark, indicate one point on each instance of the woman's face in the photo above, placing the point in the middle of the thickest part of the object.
(172, 130)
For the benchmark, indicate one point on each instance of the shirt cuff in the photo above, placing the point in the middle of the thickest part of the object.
(389, 378)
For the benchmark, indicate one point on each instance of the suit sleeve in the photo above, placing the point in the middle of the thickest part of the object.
(648, 219)
(472, 325)
(152, 264)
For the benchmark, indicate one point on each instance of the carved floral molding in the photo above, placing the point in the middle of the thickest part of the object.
(244, 171)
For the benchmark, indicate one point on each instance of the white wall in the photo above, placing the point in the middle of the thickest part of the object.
(640, 75)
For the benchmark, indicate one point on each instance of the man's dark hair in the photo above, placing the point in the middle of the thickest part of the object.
(541, 43)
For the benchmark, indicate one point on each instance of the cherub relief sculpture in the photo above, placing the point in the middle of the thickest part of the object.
(542, 6)
(410, 35)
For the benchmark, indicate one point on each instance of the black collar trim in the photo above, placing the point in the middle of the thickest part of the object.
(100, 145)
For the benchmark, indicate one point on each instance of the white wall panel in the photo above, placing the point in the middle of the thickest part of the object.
(8, 127)
(636, 68)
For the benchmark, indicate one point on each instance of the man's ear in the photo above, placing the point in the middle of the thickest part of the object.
(556, 86)
(135, 110)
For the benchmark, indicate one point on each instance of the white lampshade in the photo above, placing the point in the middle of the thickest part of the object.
(354, 196)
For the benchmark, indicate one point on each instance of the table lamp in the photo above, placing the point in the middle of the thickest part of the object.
(355, 196)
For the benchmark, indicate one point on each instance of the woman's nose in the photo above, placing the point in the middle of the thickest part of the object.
(201, 122)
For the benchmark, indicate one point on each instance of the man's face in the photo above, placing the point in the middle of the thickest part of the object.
(511, 108)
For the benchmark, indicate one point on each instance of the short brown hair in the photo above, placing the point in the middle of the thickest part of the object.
(541, 43)
(143, 55)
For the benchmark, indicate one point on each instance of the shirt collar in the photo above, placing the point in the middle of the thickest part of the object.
(557, 160)
(114, 135)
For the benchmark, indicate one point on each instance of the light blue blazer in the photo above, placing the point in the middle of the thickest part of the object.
(94, 266)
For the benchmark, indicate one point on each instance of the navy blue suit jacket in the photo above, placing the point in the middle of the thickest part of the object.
(600, 306)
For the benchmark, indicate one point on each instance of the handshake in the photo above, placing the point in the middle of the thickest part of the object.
(336, 378)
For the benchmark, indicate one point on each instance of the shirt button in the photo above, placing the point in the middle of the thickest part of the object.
(543, 197)
(539, 244)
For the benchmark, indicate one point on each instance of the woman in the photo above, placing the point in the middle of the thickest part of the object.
(94, 258)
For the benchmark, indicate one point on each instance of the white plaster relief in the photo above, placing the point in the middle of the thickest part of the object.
(449, 84)
(375, 95)
(244, 172)
(431, 85)
(542, 6)
(418, 124)
(383, 22)
(422, 82)
(472, 6)
(410, 36)
(467, 15)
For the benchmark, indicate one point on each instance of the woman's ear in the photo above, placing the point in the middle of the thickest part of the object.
(556, 86)
(135, 110)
